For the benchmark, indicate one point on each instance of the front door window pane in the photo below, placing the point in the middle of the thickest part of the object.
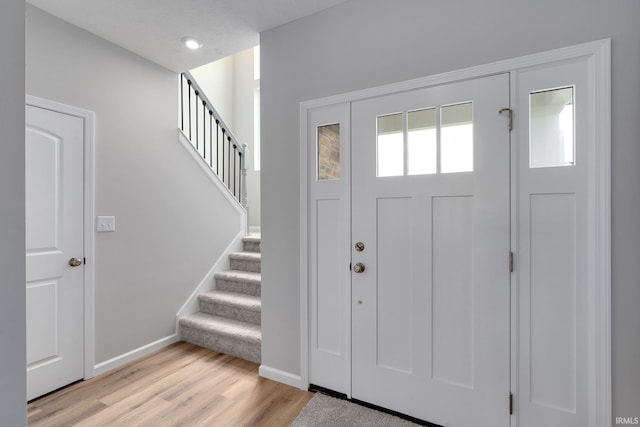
(422, 142)
(456, 139)
(390, 145)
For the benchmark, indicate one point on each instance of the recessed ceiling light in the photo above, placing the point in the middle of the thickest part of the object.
(192, 43)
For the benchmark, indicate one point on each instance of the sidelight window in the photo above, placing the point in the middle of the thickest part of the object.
(329, 152)
(551, 128)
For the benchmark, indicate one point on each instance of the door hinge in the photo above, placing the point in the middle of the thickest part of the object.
(510, 403)
(510, 111)
(510, 262)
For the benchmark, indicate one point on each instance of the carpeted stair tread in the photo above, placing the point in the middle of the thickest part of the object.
(231, 305)
(255, 238)
(223, 326)
(245, 261)
(227, 336)
(241, 282)
(248, 302)
(239, 276)
(251, 243)
(246, 256)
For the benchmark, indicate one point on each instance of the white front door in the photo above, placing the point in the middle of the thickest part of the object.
(430, 204)
(54, 241)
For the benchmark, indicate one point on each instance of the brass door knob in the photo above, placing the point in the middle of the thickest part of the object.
(358, 267)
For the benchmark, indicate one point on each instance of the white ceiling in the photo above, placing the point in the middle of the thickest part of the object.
(153, 28)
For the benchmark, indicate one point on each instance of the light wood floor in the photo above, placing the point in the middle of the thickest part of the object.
(181, 385)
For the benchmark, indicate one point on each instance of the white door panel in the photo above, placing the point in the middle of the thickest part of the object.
(54, 235)
(328, 207)
(431, 309)
(553, 235)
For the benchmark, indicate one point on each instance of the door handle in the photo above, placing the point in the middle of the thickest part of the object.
(358, 267)
(75, 262)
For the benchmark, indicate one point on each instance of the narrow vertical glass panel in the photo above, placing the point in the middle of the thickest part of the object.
(551, 124)
(456, 138)
(329, 152)
(422, 143)
(390, 145)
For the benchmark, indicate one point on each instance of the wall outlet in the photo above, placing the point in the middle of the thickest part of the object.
(106, 223)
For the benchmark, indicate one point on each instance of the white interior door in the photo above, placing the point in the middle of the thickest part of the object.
(430, 203)
(54, 240)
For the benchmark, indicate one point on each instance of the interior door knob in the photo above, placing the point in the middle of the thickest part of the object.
(358, 267)
(75, 262)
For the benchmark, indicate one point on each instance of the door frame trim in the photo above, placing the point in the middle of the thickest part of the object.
(599, 328)
(88, 118)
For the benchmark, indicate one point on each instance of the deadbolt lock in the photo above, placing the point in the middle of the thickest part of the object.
(359, 247)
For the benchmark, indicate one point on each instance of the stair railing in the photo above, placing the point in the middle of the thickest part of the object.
(213, 139)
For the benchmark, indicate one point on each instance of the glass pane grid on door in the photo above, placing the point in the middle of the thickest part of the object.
(425, 141)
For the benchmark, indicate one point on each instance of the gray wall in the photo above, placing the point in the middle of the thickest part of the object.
(364, 43)
(12, 259)
(216, 80)
(243, 122)
(229, 85)
(170, 224)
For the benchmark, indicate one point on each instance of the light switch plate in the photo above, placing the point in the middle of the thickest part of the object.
(106, 223)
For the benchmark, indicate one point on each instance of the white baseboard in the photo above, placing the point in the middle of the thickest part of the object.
(132, 355)
(281, 376)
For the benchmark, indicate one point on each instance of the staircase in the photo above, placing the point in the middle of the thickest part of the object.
(229, 316)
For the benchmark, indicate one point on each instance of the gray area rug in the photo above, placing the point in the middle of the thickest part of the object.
(325, 411)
